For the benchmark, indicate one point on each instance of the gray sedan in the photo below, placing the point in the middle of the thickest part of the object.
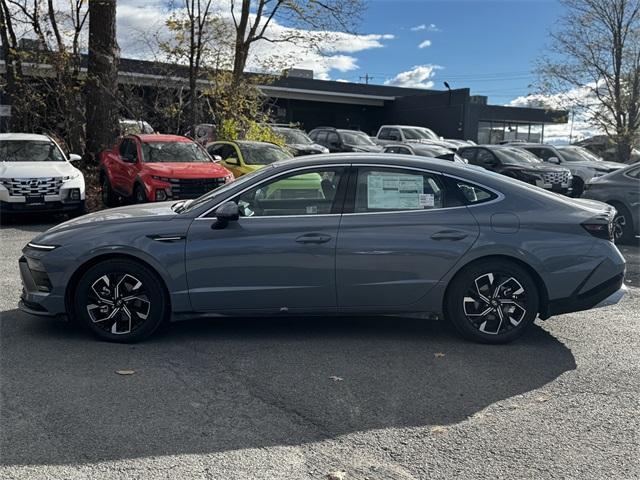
(333, 235)
(622, 190)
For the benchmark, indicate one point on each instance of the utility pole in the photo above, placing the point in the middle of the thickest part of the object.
(366, 78)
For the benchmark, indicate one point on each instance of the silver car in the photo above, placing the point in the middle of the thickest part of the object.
(622, 190)
(333, 235)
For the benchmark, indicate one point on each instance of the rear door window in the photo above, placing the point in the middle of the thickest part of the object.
(388, 190)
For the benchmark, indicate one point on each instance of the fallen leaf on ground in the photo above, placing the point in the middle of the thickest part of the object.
(439, 429)
(336, 476)
(438, 354)
(336, 379)
(125, 372)
(542, 398)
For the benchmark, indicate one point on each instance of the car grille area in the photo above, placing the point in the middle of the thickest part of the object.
(556, 177)
(183, 188)
(28, 187)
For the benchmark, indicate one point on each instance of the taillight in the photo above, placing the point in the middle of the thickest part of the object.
(600, 230)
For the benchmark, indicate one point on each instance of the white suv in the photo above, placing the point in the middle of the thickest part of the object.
(35, 175)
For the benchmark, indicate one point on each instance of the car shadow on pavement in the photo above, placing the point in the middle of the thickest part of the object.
(208, 386)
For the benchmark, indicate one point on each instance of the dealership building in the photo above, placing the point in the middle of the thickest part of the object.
(298, 98)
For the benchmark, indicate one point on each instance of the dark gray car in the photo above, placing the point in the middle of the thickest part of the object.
(333, 235)
(622, 190)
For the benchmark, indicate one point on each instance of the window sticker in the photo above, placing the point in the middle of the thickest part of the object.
(427, 200)
(398, 192)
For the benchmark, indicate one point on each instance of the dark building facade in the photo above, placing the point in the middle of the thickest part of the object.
(451, 114)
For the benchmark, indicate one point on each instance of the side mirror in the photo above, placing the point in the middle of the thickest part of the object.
(232, 161)
(216, 158)
(74, 157)
(227, 212)
(555, 160)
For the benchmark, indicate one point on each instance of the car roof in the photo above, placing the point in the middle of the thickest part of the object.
(156, 137)
(24, 136)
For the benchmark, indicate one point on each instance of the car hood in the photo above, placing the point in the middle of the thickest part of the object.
(307, 147)
(186, 170)
(36, 169)
(608, 166)
(367, 148)
(130, 213)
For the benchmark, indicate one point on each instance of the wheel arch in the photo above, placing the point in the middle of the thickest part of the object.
(543, 293)
(87, 264)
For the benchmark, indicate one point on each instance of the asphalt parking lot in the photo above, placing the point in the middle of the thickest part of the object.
(378, 398)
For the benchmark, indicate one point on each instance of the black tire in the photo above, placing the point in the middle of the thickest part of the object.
(105, 310)
(78, 212)
(623, 228)
(492, 301)
(578, 187)
(139, 195)
(109, 197)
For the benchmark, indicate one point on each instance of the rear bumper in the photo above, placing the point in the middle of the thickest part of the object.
(607, 293)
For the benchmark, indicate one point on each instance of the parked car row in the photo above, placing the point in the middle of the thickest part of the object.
(139, 168)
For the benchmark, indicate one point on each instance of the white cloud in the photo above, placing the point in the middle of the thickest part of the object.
(322, 52)
(425, 44)
(432, 27)
(418, 77)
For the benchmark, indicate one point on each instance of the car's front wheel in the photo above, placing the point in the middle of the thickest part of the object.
(120, 301)
(623, 231)
(492, 301)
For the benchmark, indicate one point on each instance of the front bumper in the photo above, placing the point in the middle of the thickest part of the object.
(47, 206)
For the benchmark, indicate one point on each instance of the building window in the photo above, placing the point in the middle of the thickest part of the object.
(494, 132)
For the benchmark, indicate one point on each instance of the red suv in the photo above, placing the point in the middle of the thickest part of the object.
(157, 168)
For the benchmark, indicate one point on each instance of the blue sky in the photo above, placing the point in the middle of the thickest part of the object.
(488, 46)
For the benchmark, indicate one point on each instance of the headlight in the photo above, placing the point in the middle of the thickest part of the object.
(40, 246)
(75, 174)
(162, 179)
(229, 178)
(324, 150)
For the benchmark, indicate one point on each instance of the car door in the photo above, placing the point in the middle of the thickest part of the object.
(124, 167)
(402, 230)
(280, 254)
(231, 159)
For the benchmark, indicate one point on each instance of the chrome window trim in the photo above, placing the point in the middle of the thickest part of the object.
(203, 216)
(499, 195)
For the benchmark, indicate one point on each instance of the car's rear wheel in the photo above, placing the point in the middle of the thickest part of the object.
(623, 231)
(120, 301)
(577, 186)
(492, 301)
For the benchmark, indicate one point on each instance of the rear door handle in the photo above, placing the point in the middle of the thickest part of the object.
(313, 238)
(449, 235)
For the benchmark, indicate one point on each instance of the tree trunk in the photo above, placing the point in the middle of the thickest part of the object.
(102, 77)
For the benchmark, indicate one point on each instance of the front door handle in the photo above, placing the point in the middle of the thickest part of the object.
(313, 238)
(449, 235)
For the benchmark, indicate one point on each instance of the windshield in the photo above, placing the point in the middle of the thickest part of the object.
(189, 205)
(516, 156)
(578, 154)
(428, 133)
(30, 151)
(293, 137)
(173, 152)
(355, 138)
(411, 134)
(262, 154)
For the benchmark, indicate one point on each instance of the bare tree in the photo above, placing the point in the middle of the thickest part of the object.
(13, 65)
(596, 49)
(253, 19)
(102, 76)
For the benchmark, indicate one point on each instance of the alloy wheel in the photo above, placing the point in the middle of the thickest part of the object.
(495, 303)
(619, 226)
(118, 303)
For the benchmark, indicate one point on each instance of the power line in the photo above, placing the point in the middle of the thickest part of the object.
(366, 78)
